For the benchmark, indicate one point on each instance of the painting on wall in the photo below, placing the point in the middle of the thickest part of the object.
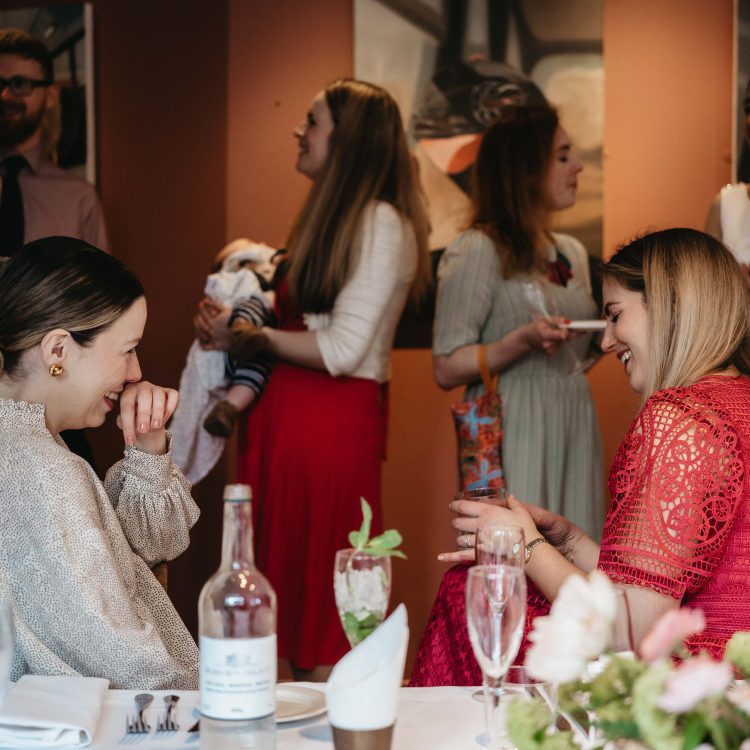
(453, 65)
(67, 31)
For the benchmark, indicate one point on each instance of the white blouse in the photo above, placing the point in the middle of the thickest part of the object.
(356, 337)
(75, 559)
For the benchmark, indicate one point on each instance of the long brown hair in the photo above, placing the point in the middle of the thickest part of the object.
(697, 303)
(508, 190)
(368, 160)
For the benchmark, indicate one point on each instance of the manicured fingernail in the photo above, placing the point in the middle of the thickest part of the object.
(568, 320)
(142, 427)
(130, 441)
(441, 557)
(156, 424)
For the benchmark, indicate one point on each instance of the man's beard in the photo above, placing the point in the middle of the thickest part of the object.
(14, 129)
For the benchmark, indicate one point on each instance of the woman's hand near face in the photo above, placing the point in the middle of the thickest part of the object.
(472, 514)
(545, 333)
(144, 410)
(211, 324)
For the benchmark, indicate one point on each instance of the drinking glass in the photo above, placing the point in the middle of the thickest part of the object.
(541, 302)
(498, 544)
(6, 647)
(490, 495)
(362, 587)
(495, 614)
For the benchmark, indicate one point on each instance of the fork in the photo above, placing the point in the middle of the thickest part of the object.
(137, 724)
(168, 724)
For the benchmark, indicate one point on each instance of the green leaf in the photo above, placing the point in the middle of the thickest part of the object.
(364, 529)
(693, 732)
(387, 540)
(350, 623)
(383, 545)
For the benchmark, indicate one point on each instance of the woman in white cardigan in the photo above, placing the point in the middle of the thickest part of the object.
(313, 443)
(75, 554)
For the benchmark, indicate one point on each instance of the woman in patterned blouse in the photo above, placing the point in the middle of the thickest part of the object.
(678, 530)
(75, 554)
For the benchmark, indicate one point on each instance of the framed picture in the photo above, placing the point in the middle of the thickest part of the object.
(67, 31)
(452, 67)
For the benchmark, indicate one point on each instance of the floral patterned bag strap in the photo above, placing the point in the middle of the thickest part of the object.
(490, 383)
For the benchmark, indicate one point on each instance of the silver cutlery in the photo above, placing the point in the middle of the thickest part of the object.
(137, 724)
(168, 724)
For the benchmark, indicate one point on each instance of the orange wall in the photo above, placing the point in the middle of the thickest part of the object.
(195, 111)
(668, 89)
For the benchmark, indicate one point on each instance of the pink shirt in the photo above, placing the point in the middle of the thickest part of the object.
(56, 202)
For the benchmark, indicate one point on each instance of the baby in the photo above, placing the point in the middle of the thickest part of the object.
(214, 386)
(247, 371)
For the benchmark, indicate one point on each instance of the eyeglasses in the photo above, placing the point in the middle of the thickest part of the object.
(21, 85)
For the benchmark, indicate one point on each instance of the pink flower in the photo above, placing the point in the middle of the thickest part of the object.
(698, 678)
(671, 629)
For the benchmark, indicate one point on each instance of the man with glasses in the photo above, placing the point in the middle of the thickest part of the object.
(37, 198)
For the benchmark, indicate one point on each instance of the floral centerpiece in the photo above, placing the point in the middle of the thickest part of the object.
(362, 578)
(651, 701)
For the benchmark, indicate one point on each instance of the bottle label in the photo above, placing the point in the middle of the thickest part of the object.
(238, 677)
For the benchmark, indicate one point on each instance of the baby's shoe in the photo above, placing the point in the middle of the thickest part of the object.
(221, 420)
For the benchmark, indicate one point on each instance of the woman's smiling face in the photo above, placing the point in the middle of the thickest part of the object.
(627, 331)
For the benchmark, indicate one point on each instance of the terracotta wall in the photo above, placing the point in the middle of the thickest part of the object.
(668, 88)
(196, 104)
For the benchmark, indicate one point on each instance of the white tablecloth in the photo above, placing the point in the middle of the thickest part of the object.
(435, 718)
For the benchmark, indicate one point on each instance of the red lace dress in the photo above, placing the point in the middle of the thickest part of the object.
(679, 524)
(680, 520)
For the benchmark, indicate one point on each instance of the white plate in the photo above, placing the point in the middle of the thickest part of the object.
(294, 702)
(585, 325)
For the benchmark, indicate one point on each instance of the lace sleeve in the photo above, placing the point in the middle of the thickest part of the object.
(676, 485)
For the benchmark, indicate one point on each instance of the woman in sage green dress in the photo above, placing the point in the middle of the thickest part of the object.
(508, 283)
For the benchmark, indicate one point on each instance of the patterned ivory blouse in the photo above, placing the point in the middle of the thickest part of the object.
(75, 559)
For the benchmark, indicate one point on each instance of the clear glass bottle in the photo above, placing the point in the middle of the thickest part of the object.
(237, 622)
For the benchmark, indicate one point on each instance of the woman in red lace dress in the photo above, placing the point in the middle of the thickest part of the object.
(678, 531)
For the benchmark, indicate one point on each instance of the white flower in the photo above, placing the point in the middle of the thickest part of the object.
(555, 654)
(593, 603)
(695, 679)
(578, 629)
(361, 592)
(739, 694)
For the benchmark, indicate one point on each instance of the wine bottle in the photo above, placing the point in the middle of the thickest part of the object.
(237, 623)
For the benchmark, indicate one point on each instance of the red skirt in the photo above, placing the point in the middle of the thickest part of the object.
(310, 447)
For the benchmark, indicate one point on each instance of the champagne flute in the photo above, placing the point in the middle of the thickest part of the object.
(499, 544)
(495, 614)
(541, 300)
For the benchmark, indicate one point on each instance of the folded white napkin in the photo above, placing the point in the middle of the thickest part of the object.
(42, 711)
(362, 690)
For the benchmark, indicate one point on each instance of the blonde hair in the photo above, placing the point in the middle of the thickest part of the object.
(368, 160)
(698, 305)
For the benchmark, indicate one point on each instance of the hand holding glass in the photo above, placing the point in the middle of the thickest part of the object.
(498, 544)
